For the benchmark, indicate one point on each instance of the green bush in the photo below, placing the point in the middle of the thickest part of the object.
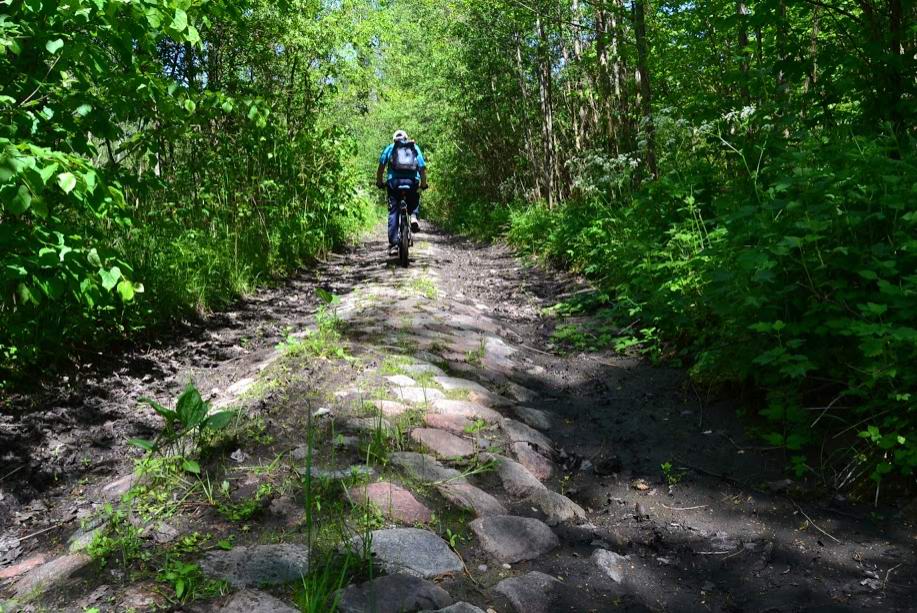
(789, 265)
(141, 182)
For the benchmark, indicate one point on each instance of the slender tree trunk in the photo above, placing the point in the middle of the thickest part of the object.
(605, 80)
(645, 92)
(585, 91)
(547, 112)
(742, 12)
(529, 141)
(812, 77)
(781, 48)
(619, 72)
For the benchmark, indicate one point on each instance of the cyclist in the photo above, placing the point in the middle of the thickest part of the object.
(405, 164)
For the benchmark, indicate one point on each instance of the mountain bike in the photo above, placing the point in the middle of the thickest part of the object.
(406, 238)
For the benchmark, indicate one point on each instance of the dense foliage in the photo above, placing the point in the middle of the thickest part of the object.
(160, 156)
(738, 177)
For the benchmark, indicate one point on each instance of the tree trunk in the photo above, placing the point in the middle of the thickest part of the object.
(742, 12)
(547, 112)
(645, 92)
(529, 146)
(605, 80)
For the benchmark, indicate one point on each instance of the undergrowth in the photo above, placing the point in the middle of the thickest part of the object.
(784, 263)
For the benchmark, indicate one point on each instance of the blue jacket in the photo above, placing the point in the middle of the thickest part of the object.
(386, 156)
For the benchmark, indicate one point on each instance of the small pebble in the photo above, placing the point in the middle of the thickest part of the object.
(483, 568)
(506, 566)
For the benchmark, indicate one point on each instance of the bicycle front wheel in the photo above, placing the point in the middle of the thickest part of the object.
(405, 240)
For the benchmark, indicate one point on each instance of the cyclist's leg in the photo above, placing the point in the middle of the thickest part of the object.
(414, 206)
(392, 217)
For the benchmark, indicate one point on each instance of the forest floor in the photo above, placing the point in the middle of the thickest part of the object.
(433, 396)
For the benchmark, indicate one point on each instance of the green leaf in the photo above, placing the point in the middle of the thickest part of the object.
(66, 181)
(324, 295)
(143, 444)
(220, 420)
(126, 290)
(191, 466)
(191, 408)
(47, 172)
(168, 414)
(53, 46)
(193, 36)
(180, 20)
(190, 106)
(110, 277)
(20, 202)
(94, 259)
(179, 588)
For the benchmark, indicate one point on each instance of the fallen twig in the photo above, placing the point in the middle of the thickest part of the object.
(13, 472)
(40, 532)
(703, 506)
(713, 553)
(887, 573)
(809, 519)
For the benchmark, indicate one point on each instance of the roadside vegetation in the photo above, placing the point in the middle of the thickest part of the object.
(161, 158)
(736, 178)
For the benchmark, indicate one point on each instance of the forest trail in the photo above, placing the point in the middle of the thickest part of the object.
(559, 455)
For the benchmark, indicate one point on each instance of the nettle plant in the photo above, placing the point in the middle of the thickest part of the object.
(185, 427)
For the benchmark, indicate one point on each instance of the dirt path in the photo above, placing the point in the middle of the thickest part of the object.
(548, 485)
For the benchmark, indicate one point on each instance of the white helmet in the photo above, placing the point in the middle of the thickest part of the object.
(399, 135)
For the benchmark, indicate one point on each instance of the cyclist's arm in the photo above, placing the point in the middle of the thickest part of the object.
(423, 177)
(379, 172)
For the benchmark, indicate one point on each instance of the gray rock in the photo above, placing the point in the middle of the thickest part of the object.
(401, 381)
(300, 453)
(557, 507)
(613, 564)
(541, 467)
(255, 601)
(423, 368)
(82, 538)
(460, 607)
(161, 532)
(531, 593)
(49, 575)
(471, 498)
(357, 470)
(419, 395)
(424, 467)
(114, 490)
(536, 418)
(366, 424)
(513, 539)
(411, 551)
(443, 444)
(455, 383)
(287, 510)
(518, 432)
(466, 408)
(516, 478)
(259, 565)
(393, 594)
(390, 408)
(520, 393)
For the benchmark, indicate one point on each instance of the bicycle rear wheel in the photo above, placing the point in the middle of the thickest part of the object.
(405, 242)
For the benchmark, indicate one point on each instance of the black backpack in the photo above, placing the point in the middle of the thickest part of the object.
(404, 156)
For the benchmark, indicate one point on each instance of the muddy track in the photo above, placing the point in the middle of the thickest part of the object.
(723, 532)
